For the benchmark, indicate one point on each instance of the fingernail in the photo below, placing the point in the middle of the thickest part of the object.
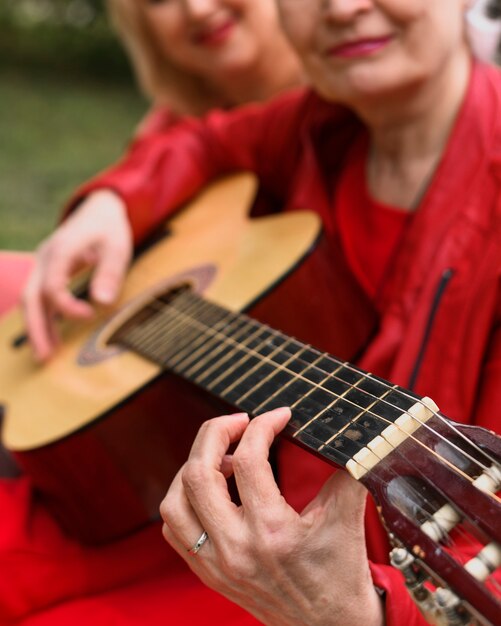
(104, 295)
(279, 410)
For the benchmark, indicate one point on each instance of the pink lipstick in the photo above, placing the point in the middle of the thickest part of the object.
(359, 47)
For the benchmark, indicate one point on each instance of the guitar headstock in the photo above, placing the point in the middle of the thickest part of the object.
(437, 492)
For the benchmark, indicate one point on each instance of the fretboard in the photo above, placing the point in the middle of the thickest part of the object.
(337, 408)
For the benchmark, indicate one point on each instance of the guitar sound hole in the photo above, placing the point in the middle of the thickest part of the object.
(19, 341)
(150, 309)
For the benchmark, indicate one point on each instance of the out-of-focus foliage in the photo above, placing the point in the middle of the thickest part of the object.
(67, 108)
(60, 35)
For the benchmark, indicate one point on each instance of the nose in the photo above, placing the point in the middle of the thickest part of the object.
(345, 10)
(198, 9)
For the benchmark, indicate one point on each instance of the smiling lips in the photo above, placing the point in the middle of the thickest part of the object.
(215, 35)
(359, 47)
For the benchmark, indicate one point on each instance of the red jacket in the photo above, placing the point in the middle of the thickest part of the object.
(439, 313)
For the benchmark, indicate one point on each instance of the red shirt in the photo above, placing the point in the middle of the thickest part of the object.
(370, 231)
(446, 331)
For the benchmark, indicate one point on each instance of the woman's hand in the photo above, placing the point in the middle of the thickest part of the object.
(96, 235)
(283, 567)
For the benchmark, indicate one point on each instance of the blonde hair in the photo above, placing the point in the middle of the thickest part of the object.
(160, 80)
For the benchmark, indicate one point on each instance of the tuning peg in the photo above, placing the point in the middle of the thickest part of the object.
(441, 607)
(414, 576)
(450, 608)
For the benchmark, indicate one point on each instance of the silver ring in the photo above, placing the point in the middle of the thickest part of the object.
(199, 543)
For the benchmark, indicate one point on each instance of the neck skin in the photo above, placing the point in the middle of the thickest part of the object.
(264, 79)
(409, 133)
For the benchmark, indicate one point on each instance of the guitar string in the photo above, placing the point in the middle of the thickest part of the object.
(375, 397)
(426, 514)
(345, 365)
(400, 391)
(332, 394)
(309, 364)
(244, 328)
(150, 337)
(383, 384)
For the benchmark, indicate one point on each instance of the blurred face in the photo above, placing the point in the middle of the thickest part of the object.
(356, 49)
(211, 37)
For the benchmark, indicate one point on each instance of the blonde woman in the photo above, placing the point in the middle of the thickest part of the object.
(397, 148)
(189, 56)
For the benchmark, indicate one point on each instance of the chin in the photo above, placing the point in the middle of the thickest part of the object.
(234, 63)
(364, 82)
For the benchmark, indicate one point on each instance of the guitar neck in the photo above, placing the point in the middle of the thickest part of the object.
(337, 408)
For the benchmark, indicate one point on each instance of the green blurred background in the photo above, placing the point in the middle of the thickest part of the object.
(68, 104)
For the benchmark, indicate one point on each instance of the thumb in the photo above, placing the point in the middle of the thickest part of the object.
(342, 497)
(109, 273)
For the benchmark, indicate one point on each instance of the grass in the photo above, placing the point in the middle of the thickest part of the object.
(55, 132)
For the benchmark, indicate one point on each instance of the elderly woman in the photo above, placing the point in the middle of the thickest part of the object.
(399, 153)
(398, 150)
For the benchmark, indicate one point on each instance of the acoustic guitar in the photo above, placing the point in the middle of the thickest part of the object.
(103, 427)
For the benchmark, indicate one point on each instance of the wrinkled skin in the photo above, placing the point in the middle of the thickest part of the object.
(304, 569)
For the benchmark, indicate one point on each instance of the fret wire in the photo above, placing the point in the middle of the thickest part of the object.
(154, 346)
(201, 345)
(326, 377)
(168, 328)
(406, 394)
(240, 362)
(205, 353)
(300, 377)
(261, 382)
(258, 329)
(315, 385)
(277, 350)
(208, 318)
(178, 359)
(343, 457)
(380, 418)
(195, 338)
(412, 436)
(365, 376)
(338, 453)
(239, 347)
(329, 406)
(147, 333)
(402, 394)
(364, 411)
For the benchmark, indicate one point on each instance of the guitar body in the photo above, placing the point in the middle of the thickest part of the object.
(101, 430)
